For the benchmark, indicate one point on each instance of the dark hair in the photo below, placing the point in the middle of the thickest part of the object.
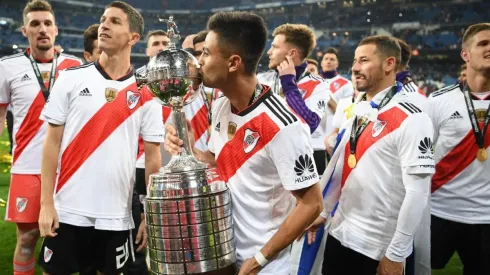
(37, 5)
(299, 35)
(241, 33)
(156, 32)
(386, 46)
(200, 37)
(473, 30)
(135, 20)
(312, 61)
(89, 36)
(332, 51)
(406, 53)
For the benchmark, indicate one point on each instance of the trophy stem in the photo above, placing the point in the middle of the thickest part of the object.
(180, 123)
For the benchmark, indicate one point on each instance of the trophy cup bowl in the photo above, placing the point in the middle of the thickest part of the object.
(188, 207)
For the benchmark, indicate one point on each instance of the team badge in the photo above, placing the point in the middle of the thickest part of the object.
(21, 204)
(45, 76)
(378, 127)
(132, 99)
(250, 140)
(110, 94)
(47, 254)
(480, 114)
(231, 130)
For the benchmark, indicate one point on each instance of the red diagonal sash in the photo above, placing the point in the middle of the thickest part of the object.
(308, 87)
(102, 124)
(393, 117)
(458, 159)
(233, 156)
(31, 123)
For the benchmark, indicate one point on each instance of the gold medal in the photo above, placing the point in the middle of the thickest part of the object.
(351, 161)
(482, 155)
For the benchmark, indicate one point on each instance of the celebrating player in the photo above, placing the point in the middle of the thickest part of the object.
(25, 83)
(251, 128)
(96, 111)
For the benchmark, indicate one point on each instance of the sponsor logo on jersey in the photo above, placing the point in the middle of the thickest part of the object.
(132, 99)
(25, 78)
(426, 148)
(21, 204)
(217, 127)
(378, 127)
(456, 115)
(304, 168)
(110, 94)
(85, 92)
(321, 105)
(250, 140)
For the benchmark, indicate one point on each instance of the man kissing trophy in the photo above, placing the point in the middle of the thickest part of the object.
(188, 208)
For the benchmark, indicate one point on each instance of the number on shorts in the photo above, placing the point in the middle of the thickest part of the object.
(123, 257)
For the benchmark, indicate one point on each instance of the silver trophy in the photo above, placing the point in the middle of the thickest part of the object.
(188, 207)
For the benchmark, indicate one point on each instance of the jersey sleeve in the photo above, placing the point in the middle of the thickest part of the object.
(292, 154)
(318, 100)
(339, 117)
(152, 127)
(58, 103)
(415, 145)
(347, 90)
(4, 86)
(432, 109)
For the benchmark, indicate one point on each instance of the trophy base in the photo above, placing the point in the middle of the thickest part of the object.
(229, 270)
(179, 164)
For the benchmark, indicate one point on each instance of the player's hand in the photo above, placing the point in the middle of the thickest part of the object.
(141, 237)
(313, 228)
(388, 267)
(250, 267)
(330, 141)
(188, 42)
(286, 67)
(173, 143)
(48, 221)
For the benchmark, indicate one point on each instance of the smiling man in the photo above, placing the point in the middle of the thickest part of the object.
(26, 80)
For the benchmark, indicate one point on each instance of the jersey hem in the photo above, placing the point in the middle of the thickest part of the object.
(25, 172)
(457, 218)
(91, 215)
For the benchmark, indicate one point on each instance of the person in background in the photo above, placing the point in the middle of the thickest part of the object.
(91, 51)
(312, 66)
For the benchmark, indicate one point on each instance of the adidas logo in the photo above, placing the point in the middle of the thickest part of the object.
(425, 146)
(302, 164)
(25, 78)
(217, 127)
(85, 92)
(456, 115)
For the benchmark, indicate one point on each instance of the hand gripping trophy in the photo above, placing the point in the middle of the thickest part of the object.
(188, 208)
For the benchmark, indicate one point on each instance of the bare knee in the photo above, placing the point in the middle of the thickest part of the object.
(27, 236)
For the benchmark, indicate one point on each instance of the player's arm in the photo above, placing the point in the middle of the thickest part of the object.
(4, 96)
(293, 96)
(417, 164)
(54, 113)
(305, 188)
(153, 159)
(3, 116)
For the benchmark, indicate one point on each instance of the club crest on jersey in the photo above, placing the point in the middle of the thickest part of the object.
(250, 140)
(378, 127)
(21, 204)
(132, 99)
(110, 94)
(231, 129)
(47, 254)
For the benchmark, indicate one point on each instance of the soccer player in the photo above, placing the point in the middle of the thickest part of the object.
(312, 66)
(403, 74)
(251, 129)
(461, 185)
(383, 165)
(306, 94)
(95, 115)
(90, 44)
(157, 41)
(25, 82)
(462, 73)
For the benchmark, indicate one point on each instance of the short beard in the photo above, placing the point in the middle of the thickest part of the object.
(44, 47)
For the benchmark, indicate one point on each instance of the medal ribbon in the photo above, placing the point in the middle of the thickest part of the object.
(354, 135)
(54, 65)
(477, 132)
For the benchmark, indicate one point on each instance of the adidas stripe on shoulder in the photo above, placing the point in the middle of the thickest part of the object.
(280, 111)
(410, 107)
(445, 90)
(80, 67)
(11, 56)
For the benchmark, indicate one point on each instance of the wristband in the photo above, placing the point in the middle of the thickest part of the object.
(261, 260)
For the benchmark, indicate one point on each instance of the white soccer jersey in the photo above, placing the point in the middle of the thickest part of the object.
(316, 94)
(339, 87)
(103, 119)
(20, 88)
(461, 184)
(373, 192)
(260, 172)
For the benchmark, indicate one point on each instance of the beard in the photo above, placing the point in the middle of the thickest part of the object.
(44, 47)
